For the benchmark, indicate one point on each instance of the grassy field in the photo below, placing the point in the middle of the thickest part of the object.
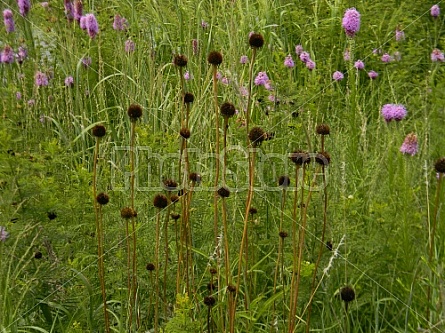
(222, 166)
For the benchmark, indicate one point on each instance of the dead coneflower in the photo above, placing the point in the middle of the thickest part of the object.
(347, 295)
(256, 136)
(256, 40)
(180, 60)
(134, 112)
(185, 133)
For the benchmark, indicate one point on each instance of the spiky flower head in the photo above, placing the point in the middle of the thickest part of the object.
(440, 165)
(284, 181)
(323, 129)
(231, 288)
(435, 11)
(359, 65)
(300, 157)
(128, 213)
(24, 6)
(282, 234)
(393, 112)
(256, 40)
(195, 177)
(400, 35)
(8, 20)
(209, 301)
(4, 235)
(351, 22)
(175, 216)
(170, 184)
(213, 271)
(410, 145)
(223, 192)
(102, 198)
(160, 201)
(373, 75)
(180, 60)
(188, 98)
(289, 62)
(253, 210)
(347, 294)
(215, 58)
(99, 131)
(437, 55)
(134, 112)
(174, 198)
(150, 267)
(256, 136)
(185, 133)
(323, 158)
(386, 58)
(337, 76)
(227, 110)
(91, 25)
(38, 255)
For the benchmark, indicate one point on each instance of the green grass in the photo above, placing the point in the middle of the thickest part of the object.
(381, 203)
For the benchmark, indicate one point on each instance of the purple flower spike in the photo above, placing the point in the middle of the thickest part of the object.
(351, 22)
(24, 6)
(120, 23)
(437, 55)
(21, 55)
(410, 145)
(435, 11)
(244, 59)
(187, 75)
(400, 35)
(347, 55)
(359, 65)
(69, 9)
(337, 76)
(305, 57)
(289, 62)
(4, 235)
(91, 25)
(86, 62)
(310, 64)
(7, 55)
(69, 81)
(399, 112)
(129, 46)
(261, 79)
(386, 58)
(41, 79)
(298, 49)
(78, 10)
(83, 23)
(373, 75)
(9, 21)
(393, 112)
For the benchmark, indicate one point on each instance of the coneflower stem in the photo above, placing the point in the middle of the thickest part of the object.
(167, 217)
(249, 95)
(215, 197)
(158, 222)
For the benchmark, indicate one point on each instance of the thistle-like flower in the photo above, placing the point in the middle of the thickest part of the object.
(351, 22)
(410, 145)
(9, 21)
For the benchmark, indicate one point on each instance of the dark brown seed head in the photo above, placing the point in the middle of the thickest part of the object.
(160, 201)
(209, 301)
(195, 177)
(224, 192)
(323, 158)
(215, 58)
(300, 157)
(253, 210)
(175, 216)
(38, 255)
(180, 60)
(213, 271)
(282, 234)
(189, 98)
(174, 198)
(52, 215)
(284, 181)
(323, 129)
(150, 267)
(231, 288)
(211, 287)
(170, 184)
(227, 110)
(185, 132)
(256, 136)
(102, 198)
(440, 165)
(256, 40)
(128, 213)
(347, 294)
(329, 245)
(134, 112)
(99, 131)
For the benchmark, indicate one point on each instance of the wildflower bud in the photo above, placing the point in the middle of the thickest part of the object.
(102, 198)
(284, 181)
(256, 136)
(300, 157)
(323, 129)
(224, 192)
(134, 112)
(150, 267)
(160, 201)
(180, 60)
(347, 294)
(256, 40)
(440, 165)
(128, 213)
(215, 58)
(188, 98)
(185, 133)
(227, 110)
(253, 210)
(323, 158)
(170, 184)
(283, 234)
(209, 301)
